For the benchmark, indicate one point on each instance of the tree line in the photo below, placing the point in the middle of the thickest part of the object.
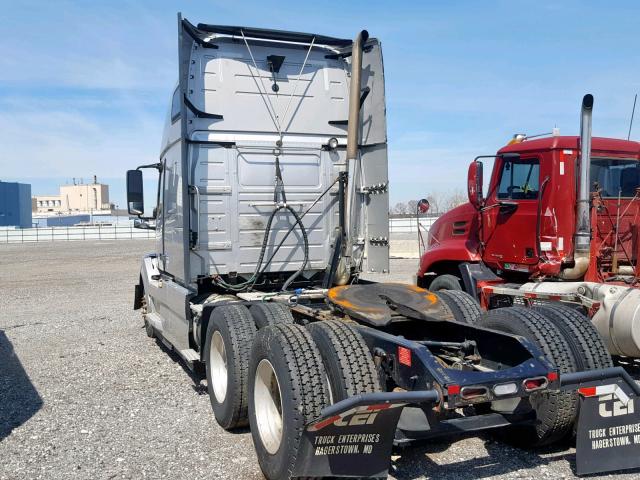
(439, 203)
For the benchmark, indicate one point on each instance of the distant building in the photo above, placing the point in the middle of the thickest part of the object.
(15, 205)
(91, 198)
(47, 204)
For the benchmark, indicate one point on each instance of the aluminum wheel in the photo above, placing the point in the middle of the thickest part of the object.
(268, 406)
(218, 362)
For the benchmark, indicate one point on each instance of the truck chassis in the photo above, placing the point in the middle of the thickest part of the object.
(380, 367)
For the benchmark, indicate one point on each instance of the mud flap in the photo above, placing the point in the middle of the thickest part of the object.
(608, 437)
(354, 437)
(356, 442)
(608, 430)
(137, 296)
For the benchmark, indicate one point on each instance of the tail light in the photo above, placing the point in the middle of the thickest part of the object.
(453, 390)
(588, 391)
(536, 383)
(404, 356)
(474, 393)
(505, 389)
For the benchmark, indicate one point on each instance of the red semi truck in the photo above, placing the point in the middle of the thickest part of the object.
(559, 222)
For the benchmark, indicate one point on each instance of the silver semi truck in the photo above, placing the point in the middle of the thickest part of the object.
(272, 200)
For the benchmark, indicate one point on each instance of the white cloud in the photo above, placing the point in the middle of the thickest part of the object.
(57, 143)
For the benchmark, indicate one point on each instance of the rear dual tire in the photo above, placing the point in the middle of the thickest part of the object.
(585, 342)
(555, 411)
(296, 372)
(287, 391)
(227, 347)
(349, 366)
(462, 306)
(268, 313)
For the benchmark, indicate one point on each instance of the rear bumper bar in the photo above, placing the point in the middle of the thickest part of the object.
(382, 398)
(592, 378)
(355, 436)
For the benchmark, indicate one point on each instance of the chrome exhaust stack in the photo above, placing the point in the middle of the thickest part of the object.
(582, 239)
(353, 138)
(353, 127)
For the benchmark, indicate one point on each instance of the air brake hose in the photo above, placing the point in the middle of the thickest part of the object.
(259, 268)
(305, 239)
(254, 277)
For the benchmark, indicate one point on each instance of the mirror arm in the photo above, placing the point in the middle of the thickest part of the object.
(157, 166)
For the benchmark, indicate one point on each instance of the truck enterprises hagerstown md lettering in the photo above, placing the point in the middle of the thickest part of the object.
(345, 444)
(614, 436)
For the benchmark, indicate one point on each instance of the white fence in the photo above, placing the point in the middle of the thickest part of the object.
(410, 224)
(67, 234)
(127, 232)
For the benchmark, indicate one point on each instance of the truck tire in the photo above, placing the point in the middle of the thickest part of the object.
(555, 411)
(287, 390)
(346, 358)
(586, 344)
(463, 306)
(148, 328)
(145, 305)
(583, 338)
(445, 282)
(226, 353)
(265, 313)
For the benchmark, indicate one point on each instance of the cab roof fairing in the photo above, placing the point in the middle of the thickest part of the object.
(204, 34)
(573, 143)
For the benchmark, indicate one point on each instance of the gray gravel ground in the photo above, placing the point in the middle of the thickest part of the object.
(85, 394)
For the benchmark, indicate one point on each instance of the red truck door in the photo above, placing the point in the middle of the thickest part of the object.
(510, 215)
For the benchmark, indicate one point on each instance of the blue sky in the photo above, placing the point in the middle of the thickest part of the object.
(85, 84)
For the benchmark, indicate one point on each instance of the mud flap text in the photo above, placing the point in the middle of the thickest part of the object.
(356, 442)
(608, 434)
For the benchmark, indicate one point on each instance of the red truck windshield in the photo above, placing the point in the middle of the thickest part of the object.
(615, 176)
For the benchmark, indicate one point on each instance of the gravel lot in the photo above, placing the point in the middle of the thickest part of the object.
(85, 394)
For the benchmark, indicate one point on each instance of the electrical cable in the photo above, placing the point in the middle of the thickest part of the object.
(261, 269)
(305, 240)
(279, 190)
(293, 226)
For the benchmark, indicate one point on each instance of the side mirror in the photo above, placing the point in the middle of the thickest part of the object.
(423, 205)
(474, 184)
(135, 194)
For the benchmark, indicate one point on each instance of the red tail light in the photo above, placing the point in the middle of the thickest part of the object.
(473, 393)
(404, 356)
(588, 391)
(533, 384)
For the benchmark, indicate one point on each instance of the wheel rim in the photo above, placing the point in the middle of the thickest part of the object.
(218, 362)
(268, 406)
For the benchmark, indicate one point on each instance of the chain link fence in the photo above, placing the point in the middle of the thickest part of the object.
(68, 234)
(410, 224)
(128, 232)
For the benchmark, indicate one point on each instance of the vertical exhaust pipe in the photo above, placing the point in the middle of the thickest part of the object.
(353, 137)
(582, 239)
(353, 127)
